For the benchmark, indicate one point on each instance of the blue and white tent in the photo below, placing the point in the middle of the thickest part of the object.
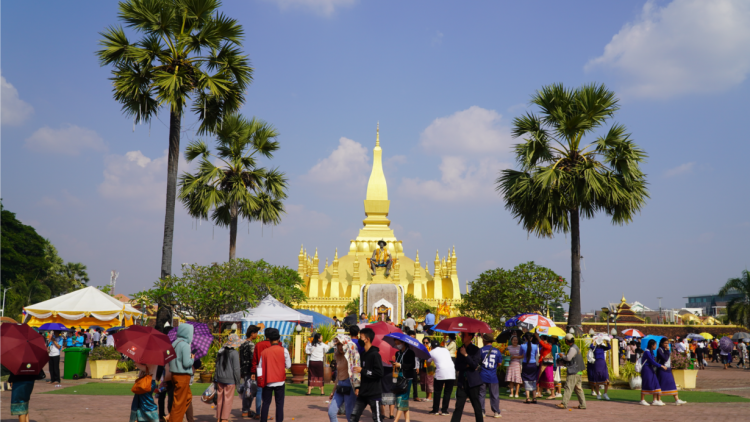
(272, 314)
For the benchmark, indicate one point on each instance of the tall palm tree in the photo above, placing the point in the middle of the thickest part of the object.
(738, 309)
(238, 187)
(76, 276)
(561, 178)
(189, 56)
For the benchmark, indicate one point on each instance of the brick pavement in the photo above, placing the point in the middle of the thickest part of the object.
(51, 408)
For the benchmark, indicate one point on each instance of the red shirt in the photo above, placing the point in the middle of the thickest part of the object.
(259, 348)
(546, 349)
(274, 365)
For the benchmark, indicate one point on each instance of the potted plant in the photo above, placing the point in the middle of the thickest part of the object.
(684, 377)
(628, 373)
(103, 361)
(208, 362)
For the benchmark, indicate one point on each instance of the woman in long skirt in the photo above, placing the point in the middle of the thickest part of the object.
(388, 398)
(513, 376)
(316, 350)
(143, 408)
(665, 377)
(529, 368)
(650, 383)
(546, 373)
(598, 372)
(405, 363)
(227, 377)
(429, 370)
(22, 385)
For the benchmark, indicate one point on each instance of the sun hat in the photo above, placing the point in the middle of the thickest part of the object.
(233, 341)
(569, 337)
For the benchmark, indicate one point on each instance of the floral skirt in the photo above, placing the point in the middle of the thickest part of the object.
(514, 372)
(20, 396)
(402, 400)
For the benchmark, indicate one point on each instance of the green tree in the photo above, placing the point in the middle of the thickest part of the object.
(188, 56)
(353, 307)
(238, 187)
(206, 292)
(738, 309)
(416, 307)
(557, 312)
(561, 178)
(504, 293)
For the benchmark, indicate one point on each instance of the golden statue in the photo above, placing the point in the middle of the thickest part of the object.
(381, 258)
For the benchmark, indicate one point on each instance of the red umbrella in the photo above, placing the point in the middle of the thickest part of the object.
(144, 345)
(22, 350)
(387, 352)
(464, 325)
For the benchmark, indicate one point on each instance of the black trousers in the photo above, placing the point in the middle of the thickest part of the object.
(443, 388)
(473, 395)
(278, 394)
(54, 368)
(166, 397)
(361, 404)
(415, 385)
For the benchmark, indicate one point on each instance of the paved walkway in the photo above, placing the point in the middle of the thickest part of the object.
(54, 408)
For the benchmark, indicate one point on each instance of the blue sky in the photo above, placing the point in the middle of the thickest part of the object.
(444, 79)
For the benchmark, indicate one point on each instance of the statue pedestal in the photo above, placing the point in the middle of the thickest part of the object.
(379, 277)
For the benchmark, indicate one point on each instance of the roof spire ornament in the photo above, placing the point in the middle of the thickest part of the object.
(377, 135)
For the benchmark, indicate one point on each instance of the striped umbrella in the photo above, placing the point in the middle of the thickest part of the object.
(535, 320)
(632, 332)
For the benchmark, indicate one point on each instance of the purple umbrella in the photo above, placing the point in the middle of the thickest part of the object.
(726, 345)
(202, 338)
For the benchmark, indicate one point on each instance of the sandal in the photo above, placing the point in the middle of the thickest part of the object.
(560, 406)
(533, 401)
(527, 401)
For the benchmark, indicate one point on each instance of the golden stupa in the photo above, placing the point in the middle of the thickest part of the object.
(349, 276)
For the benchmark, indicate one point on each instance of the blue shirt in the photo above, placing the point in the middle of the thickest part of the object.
(491, 357)
(429, 319)
(534, 348)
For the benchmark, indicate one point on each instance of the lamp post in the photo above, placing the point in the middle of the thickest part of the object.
(2, 311)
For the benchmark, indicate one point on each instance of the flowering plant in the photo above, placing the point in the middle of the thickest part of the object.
(679, 360)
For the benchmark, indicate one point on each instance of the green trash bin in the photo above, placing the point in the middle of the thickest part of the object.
(75, 362)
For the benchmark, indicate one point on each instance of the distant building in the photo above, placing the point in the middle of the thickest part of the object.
(711, 304)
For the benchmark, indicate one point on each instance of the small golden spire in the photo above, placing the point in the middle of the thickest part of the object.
(377, 136)
(623, 298)
(336, 255)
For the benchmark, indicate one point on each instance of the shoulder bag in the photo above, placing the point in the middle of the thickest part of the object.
(142, 385)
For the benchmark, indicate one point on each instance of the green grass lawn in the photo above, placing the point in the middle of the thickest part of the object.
(123, 389)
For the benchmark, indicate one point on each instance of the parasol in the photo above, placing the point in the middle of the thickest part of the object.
(697, 337)
(707, 336)
(22, 350)
(550, 331)
(381, 329)
(740, 336)
(464, 325)
(513, 322)
(144, 345)
(202, 338)
(535, 320)
(644, 340)
(115, 329)
(53, 326)
(418, 348)
(726, 344)
(632, 332)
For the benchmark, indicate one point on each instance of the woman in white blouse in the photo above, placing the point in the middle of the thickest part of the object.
(316, 351)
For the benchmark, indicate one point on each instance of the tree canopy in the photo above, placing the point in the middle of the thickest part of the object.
(504, 293)
(206, 292)
(738, 309)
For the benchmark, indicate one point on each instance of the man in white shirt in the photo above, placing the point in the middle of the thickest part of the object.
(445, 377)
(54, 347)
(409, 323)
(97, 336)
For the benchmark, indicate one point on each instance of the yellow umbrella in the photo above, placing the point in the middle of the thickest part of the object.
(550, 331)
(707, 336)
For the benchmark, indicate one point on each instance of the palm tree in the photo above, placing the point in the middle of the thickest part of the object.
(76, 276)
(562, 179)
(189, 54)
(238, 187)
(738, 309)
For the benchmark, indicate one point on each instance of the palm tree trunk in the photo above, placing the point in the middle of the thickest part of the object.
(233, 231)
(574, 311)
(173, 158)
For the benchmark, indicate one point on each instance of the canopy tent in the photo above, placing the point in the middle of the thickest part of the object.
(318, 318)
(270, 313)
(82, 308)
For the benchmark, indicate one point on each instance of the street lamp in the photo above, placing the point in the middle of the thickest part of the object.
(613, 332)
(2, 311)
(591, 332)
(298, 328)
(502, 321)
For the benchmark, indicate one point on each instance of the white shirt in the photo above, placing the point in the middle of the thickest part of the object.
(444, 368)
(55, 351)
(409, 322)
(318, 352)
(97, 336)
(287, 365)
(111, 341)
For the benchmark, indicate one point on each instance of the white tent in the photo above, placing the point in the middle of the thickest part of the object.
(271, 313)
(83, 307)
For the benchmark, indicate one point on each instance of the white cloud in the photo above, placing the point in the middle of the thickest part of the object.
(320, 7)
(474, 130)
(681, 169)
(687, 46)
(461, 179)
(348, 165)
(437, 39)
(137, 180)
(69, 140)
(13, 109)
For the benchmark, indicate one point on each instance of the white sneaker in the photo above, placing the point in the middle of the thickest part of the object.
(598, 396)
(679, 402)
(558, 395)
(657, 403)
(606, 397)
(644, 403)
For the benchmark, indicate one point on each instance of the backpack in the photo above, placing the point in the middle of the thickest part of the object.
(639, 365)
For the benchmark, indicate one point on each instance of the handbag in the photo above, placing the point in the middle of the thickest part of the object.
(209, 394)
(142, 385)
(344, 390)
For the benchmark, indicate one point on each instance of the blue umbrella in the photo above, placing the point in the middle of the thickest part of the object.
(114, 329)
(419, 350)
(53, 326)
(318, 318)
(444, 332)
(644, 341)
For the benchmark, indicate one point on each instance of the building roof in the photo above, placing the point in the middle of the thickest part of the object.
(122, 298)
